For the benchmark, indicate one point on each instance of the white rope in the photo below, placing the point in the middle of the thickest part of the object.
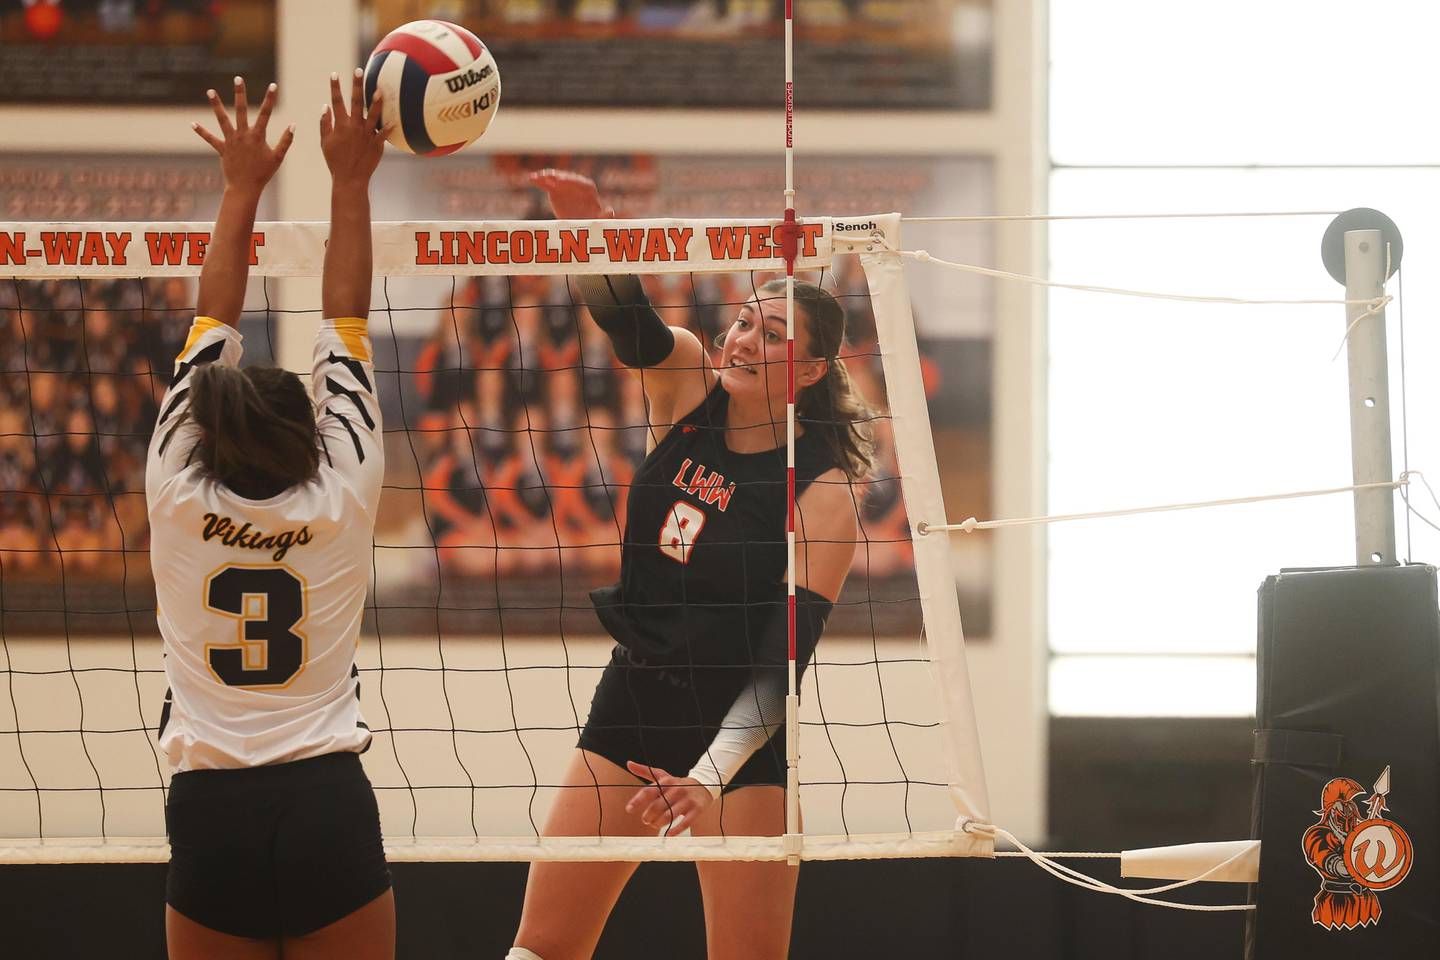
(1076, 878)
(1404, 495)
(1378, 306)
(1065, 854)
(1034, 218)
(924, 256)
(970, 524)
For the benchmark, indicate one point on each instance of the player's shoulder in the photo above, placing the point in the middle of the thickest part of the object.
(829, 505)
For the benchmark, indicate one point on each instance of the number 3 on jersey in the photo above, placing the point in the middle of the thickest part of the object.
(269, 603)
(682, 525)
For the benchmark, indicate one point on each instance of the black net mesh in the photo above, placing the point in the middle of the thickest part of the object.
(512, 440)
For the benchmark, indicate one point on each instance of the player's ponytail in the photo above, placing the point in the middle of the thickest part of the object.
(832, 406)
(257, 428)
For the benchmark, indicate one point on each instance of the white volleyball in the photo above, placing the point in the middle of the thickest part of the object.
(441, 84)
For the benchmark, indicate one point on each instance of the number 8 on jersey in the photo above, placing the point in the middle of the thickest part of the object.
(683, 524)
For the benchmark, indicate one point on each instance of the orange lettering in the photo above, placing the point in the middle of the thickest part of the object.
(624, 245)
(492, 248)
(522, 247)
(726, 243)
(680, 242)
(198, 243)
(575, 246)
(424, 255)
(12, 248)
(118, 242)
(760, 241)
(468, 248)
(60, 247)
(679, 480)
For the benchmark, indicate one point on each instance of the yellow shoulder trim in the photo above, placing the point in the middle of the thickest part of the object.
(353, 333)
(197, 329)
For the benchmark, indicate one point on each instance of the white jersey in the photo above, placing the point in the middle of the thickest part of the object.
(260, 601)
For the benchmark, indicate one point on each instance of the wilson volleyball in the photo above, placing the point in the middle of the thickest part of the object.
(441, 86)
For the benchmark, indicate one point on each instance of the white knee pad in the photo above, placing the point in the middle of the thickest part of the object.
(520, 953)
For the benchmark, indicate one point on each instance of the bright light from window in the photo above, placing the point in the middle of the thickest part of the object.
(1154, 402)
(1153, 687)
(1235, 81)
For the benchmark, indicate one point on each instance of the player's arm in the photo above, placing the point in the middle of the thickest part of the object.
(677, 371)
(247, 163)
(826, 527)
(343, 376)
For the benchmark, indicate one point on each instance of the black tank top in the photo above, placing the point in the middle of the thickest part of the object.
(702, 565)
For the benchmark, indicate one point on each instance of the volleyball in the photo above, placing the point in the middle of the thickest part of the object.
(441, 86)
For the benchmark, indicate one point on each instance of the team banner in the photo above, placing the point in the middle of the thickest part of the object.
(1347, 761)
(432, 249)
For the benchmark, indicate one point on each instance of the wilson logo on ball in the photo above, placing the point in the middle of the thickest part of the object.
(421, 67)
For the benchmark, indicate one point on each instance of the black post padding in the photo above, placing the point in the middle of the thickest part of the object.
(1348, 684)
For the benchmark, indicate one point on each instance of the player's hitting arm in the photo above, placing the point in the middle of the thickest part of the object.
(248, 163)
(677, 369)
(827, 528)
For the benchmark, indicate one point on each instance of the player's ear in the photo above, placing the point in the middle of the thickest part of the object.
(815, 371)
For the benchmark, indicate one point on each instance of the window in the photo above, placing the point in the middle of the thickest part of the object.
(1151, 402)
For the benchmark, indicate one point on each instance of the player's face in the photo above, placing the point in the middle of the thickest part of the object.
(752, 361)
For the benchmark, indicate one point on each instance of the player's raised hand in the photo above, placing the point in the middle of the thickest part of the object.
(667, 802)
(246, 159)
(573, 196)
(351, 141)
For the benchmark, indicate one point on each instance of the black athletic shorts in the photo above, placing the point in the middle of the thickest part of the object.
(274, 851)
(666, 716)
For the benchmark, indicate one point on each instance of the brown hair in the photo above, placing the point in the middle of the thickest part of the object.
(832, 406)
(257, 428)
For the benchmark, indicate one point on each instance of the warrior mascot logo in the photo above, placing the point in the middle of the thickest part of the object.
(1354, 857)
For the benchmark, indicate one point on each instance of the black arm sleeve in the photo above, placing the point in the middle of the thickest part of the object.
(621, 308)
(771, 641)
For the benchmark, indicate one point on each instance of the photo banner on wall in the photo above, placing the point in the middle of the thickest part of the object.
(452, 332)
(727, 54)
(502, 400)
(132, 52)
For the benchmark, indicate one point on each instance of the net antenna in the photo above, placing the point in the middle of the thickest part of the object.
(789, 243)
(470, 744)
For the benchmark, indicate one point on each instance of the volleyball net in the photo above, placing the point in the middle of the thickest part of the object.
(511, 439)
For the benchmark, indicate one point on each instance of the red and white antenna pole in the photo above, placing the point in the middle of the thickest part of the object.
(789, 246)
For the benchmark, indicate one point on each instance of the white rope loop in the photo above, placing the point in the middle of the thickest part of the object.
(970, 524)
(1047, 862)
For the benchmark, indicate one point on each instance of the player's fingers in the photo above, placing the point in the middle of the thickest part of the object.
(337, 102)
(357, 95)
(327, 121)
(282, 146)
(242, 106)
(262, 119)
(377, 111)
(659, 811)
(208, 137)
(221, 117)
(644, 771)
(641, 798)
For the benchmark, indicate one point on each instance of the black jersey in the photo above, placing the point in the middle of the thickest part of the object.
(704, 552)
